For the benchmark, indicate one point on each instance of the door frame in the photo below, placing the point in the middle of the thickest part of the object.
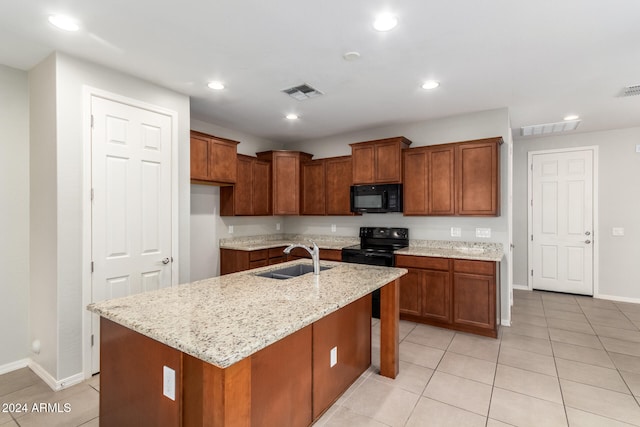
(88, 92)
(596, 231)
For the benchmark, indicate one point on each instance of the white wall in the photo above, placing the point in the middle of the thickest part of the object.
(207, 226)
(477, 125)
(14, 214)
(619, 204)
(64, 179)
(43, 253)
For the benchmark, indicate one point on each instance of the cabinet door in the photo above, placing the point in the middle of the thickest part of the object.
(411, 292)
(363, 157)
(416, 183)
(222, 160)
(477, 178)
(338, 173)
(441, 187)
(232, 261)
(313, 188)
(243, 189)
(388, 163)
(261, 188)
(436, 295)
(474, 299)
(199, 157)
(286, 183)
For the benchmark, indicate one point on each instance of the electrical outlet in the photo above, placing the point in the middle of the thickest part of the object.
(333, 356)
(617, 231)
(483, 232)
(231, 229)
(277, 226)
(333, 228)
(456, 232)
(169, 382)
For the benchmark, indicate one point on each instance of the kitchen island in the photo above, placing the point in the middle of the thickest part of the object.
(243, 349)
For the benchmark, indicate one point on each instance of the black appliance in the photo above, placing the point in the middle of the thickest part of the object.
(380, 198)
(376, 248)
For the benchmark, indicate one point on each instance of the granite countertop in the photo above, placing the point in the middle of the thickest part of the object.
(225, 319)
(479, 251)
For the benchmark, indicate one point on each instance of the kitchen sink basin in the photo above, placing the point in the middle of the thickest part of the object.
(289, 272)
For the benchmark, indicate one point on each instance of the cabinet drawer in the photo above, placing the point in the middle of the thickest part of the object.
(431, 263)
(331, 254)
(474, 267)
(276, 252)
(256, 264)
(258, 255)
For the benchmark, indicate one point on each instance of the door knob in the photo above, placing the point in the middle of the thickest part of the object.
(587, 241)
(165, 260)
(587, 233)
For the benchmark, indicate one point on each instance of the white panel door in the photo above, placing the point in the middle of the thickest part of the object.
(562, 222)
(131, 207)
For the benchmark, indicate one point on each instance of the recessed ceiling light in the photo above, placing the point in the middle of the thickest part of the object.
(292, 116)
(385, 22)
(430, 84)
(216, 85)
(64, 22)
(571, 117)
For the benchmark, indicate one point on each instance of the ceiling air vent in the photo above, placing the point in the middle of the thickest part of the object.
(548, 128)
(302, 92)
(631, 91)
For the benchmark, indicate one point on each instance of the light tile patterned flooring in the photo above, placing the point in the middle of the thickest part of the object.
(566, 360)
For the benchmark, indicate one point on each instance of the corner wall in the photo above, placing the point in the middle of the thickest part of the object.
(619, 204)
(14, 215)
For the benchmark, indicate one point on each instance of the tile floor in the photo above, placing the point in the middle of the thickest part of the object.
(566, 360)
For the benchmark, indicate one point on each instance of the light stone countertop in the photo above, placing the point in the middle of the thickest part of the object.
(225, 319)
(479, 251)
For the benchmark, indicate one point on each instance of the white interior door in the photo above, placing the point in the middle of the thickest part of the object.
(562, 221)
(131, 203)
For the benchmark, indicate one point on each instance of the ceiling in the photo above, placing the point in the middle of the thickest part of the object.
(542, 59)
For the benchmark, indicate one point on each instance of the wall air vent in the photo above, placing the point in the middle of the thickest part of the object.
(302, 92)
(631, 91)
(547, 128)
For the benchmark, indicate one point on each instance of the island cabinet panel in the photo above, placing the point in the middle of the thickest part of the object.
(451, 293)
(131, 368)
(348, 331)
(232, 261)
(379, 161)
(213, 159)
(339, 174)
(281, 382)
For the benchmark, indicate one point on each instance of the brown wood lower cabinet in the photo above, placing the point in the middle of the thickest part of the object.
(232, 260)
(451, 293)
(289, 383)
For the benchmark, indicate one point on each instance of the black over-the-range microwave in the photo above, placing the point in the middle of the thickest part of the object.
(372, 198)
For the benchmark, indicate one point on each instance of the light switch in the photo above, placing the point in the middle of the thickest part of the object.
(456, 232)
(277, 226)
(333, 357)
(169, 382)
(617, 231)
(483, 232)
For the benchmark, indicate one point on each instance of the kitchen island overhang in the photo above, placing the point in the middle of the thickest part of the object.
(223, 321)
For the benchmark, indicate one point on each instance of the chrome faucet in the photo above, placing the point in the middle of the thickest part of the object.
(314, 251)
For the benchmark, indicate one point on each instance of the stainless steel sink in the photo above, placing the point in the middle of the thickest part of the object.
(290, 272)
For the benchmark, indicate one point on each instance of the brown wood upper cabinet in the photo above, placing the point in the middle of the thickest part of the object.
(453, 179)
(213, 159)
(285, 179)
(325, 186)
(251, 194)
(379, 161)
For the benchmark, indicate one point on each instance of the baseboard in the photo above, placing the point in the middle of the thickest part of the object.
(505, 322)
(521, 287)
(617, 298)
(52, 382)
(14, 366)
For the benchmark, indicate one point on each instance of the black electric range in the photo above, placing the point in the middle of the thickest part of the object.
(376, 247)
